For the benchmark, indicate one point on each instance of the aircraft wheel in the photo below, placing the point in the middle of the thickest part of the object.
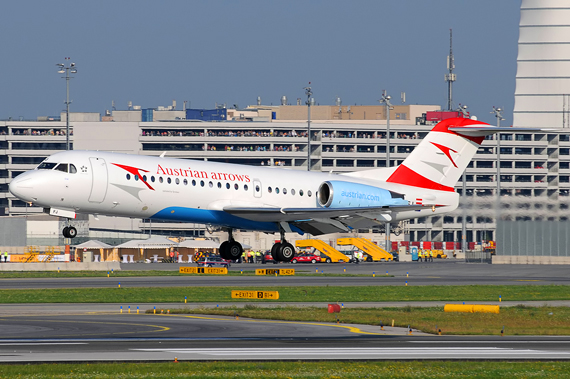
(65, 231)
(224, 250)
(286, 252)
(234, 250)
(71, 232)
(275, 251)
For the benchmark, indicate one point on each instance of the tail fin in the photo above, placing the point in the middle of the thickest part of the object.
(441, 157)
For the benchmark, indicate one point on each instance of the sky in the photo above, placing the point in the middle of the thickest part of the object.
(232, 51)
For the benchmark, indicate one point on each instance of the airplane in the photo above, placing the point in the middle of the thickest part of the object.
(266, 199)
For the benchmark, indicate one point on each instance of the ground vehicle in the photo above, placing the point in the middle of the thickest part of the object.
(306, 258)
(269, 258)
(213, 261)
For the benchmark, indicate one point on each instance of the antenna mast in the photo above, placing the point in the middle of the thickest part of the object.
(450, 77)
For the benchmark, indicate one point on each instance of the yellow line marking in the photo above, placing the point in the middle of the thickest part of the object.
(351, 329)
(158, 327)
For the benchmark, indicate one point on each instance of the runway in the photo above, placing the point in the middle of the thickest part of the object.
(439, 272)
(99, 332)
(131, 337)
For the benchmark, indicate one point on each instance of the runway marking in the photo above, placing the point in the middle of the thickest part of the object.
(335, 353)
(528, 280)
(351, 329)
(158, 327)
(42, 343)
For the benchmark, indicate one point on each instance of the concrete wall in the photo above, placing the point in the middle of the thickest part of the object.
(530, 260)
(13, 231)
(107, 136)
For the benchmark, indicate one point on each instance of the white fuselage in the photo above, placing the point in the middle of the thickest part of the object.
(191, 191)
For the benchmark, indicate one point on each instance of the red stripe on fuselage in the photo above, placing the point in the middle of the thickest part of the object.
(405, 175)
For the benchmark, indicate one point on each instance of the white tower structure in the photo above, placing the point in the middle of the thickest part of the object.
(543, 65)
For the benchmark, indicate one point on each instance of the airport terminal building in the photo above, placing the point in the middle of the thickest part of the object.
(534, 167)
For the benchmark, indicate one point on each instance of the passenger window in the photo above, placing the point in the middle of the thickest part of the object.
(202, 183)
(300, 192)
(257, 189)
(245, 187)
(292, 192)
(128, 176)
(276, 189)
(219, 185)
(194, 183)
(236, 186)
(160, 180)
(177, 181)
(72, 169)
(144, 178)
(309, 193)
(136, 178)
(169, 180)
(152, 179)
(211, 184)
(284, 191)
(228, 185)
(185, 182)
(269, 189)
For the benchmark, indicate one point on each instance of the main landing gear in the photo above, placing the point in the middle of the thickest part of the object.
(231, 249)
(69, 232)
(282, 251)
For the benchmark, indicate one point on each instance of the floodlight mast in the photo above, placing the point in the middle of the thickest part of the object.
(498, 113)
(385, 99)
(463, 110)
(309, 93)
(67, 68)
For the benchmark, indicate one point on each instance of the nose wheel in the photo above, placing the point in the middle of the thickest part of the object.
(69, 232)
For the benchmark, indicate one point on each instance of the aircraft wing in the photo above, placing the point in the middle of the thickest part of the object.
(324, 220)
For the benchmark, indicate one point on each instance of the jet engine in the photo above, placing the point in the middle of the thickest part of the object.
(339, 194)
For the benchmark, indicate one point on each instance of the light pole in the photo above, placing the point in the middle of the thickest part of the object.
(498, 114)
(67, 68)
(385, 99)
(463, 110)
(309, 93)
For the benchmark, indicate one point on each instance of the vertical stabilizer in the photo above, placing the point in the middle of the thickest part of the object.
(439, 160)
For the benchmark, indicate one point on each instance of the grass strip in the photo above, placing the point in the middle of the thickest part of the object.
(286, 294)
(295, 370)
(518, 320)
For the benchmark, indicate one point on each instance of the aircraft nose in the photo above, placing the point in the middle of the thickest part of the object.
(22, 187)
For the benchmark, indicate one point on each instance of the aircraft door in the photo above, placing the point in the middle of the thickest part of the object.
(99, 178)
(257, 189)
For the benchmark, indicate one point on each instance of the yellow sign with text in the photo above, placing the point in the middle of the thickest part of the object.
(269, 295)
(204, 270)
(276, 271)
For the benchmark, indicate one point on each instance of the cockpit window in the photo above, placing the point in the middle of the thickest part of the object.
(62, 167)
(46, 165)
(72, 169)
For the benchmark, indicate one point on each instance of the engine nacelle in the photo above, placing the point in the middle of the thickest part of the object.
(338, 194)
